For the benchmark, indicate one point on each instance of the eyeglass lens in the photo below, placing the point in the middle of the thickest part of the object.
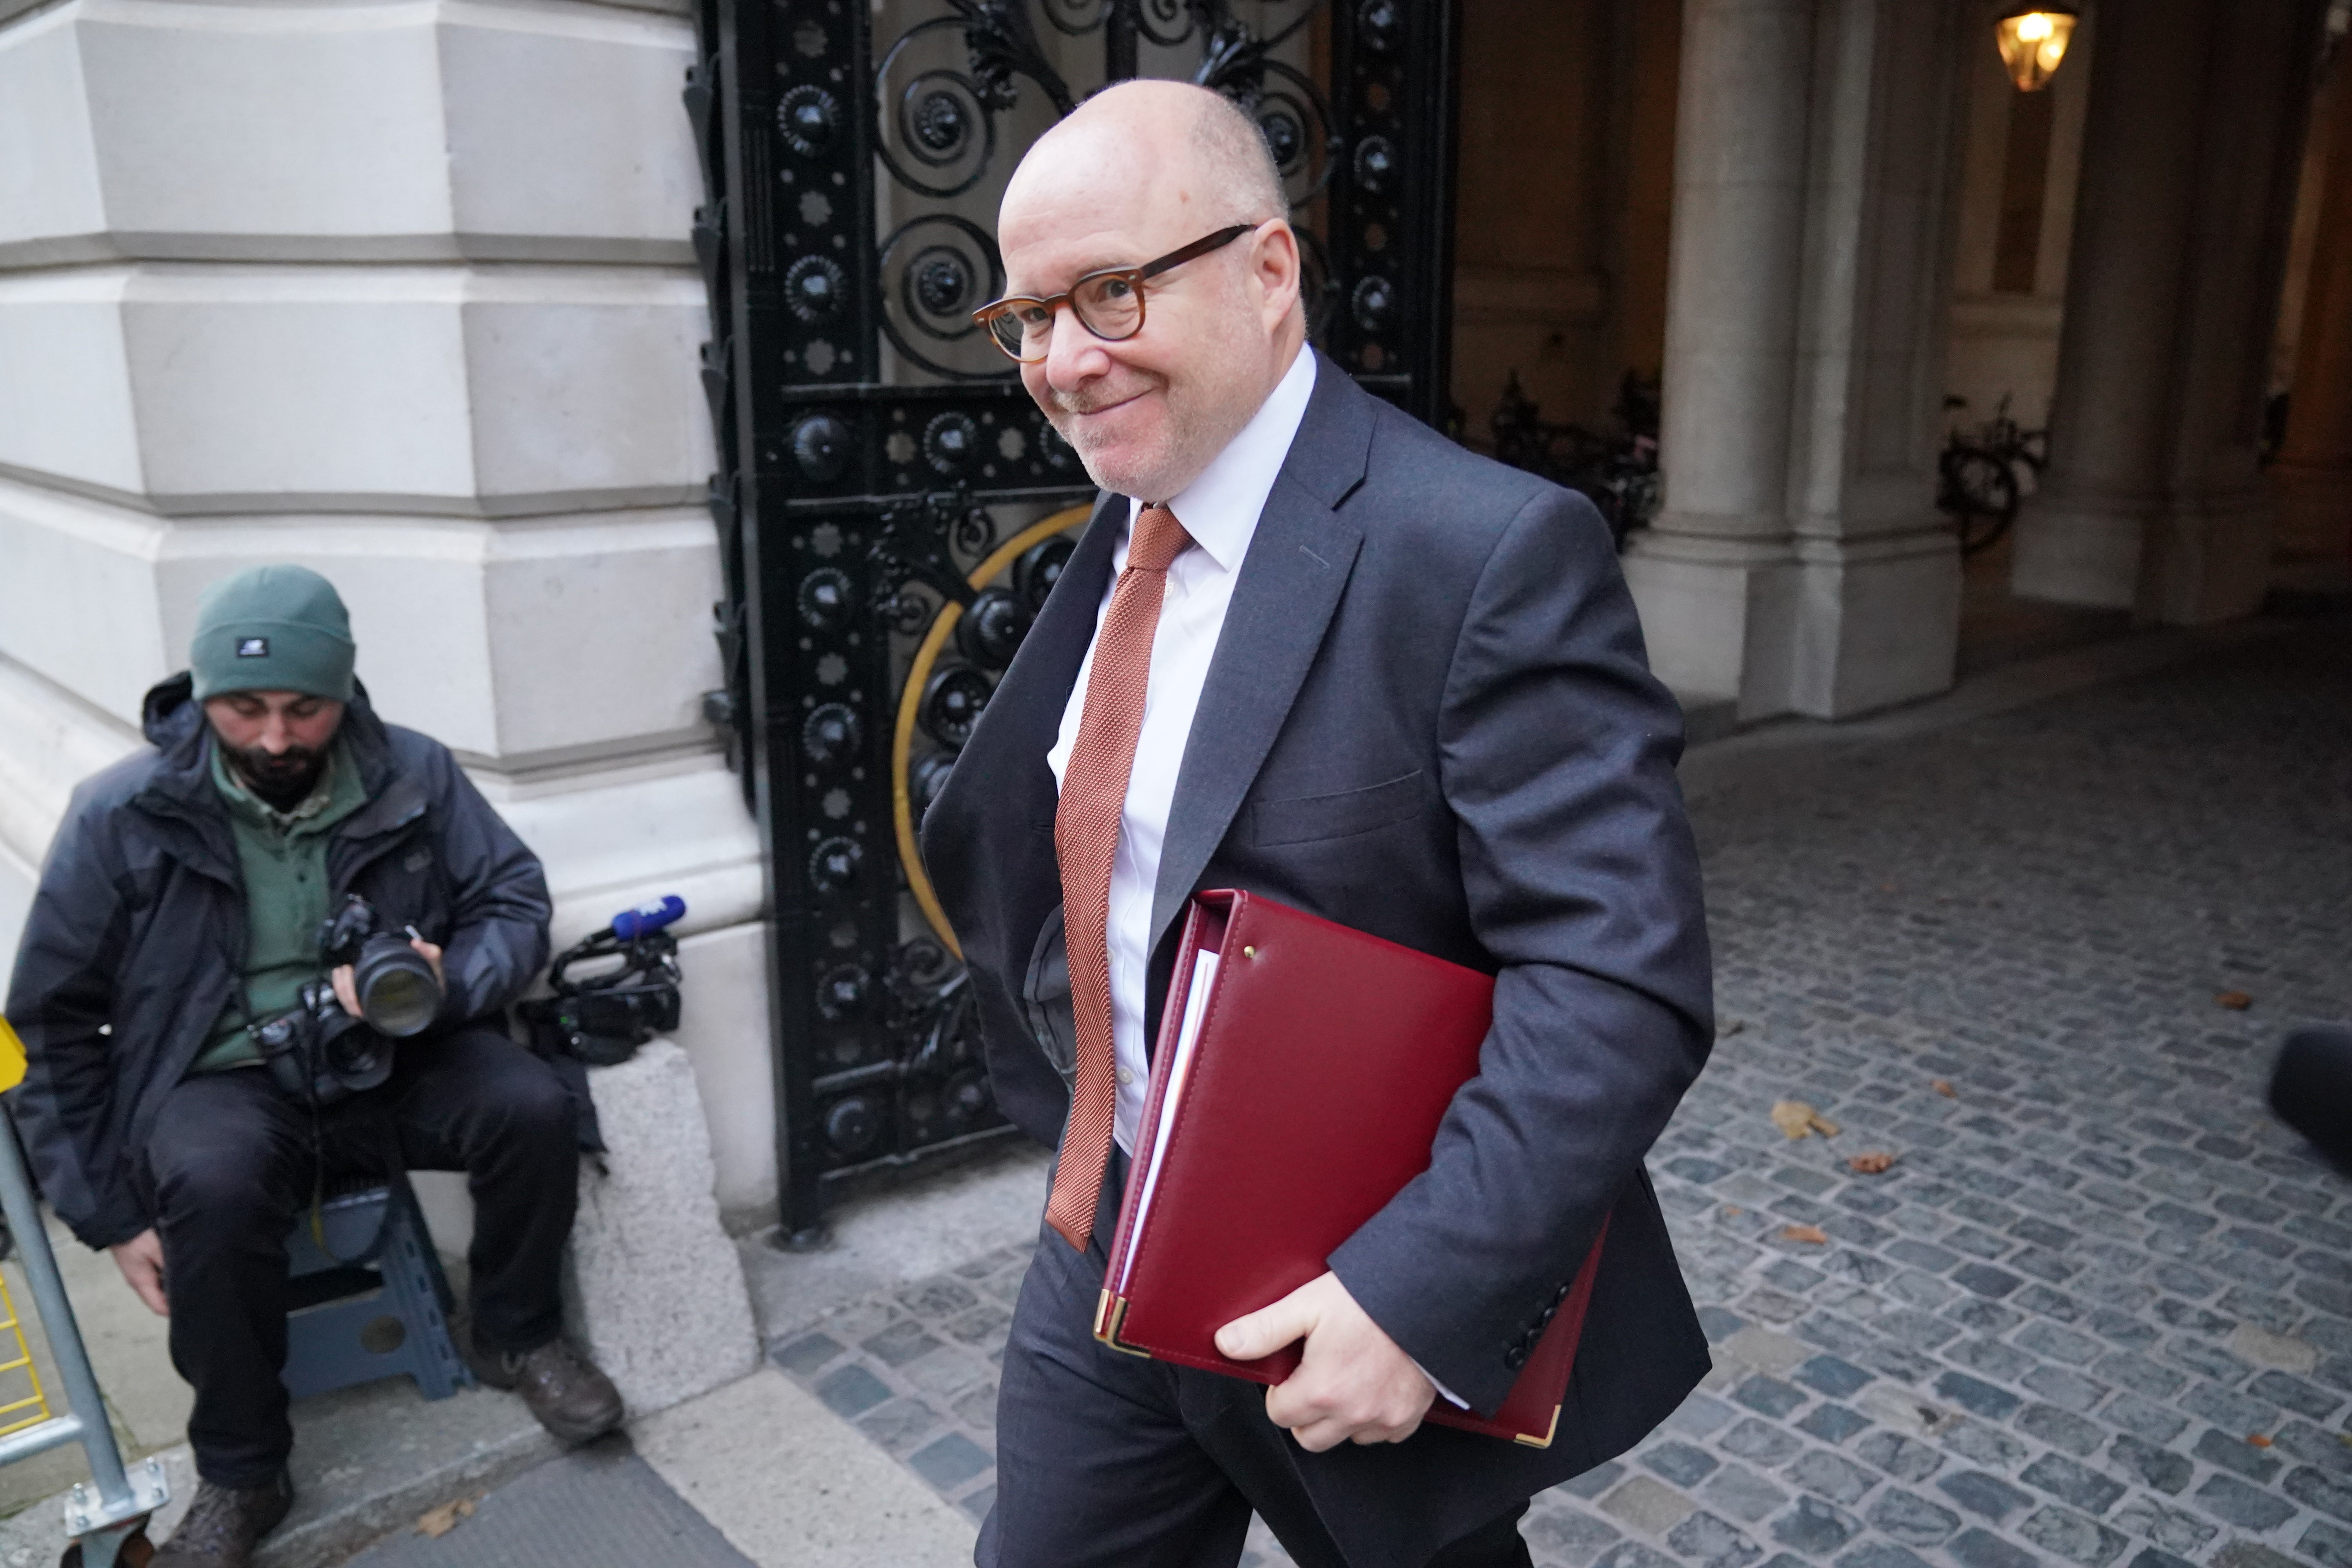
(1109, 306)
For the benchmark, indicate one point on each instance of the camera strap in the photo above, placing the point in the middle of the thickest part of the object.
(392, 1166)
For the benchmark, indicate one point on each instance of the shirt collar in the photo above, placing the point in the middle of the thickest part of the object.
(1220, 508)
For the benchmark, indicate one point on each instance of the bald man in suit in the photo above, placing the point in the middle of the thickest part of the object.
(1309, 647)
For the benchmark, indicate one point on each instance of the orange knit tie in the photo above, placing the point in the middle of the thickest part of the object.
(1086, 836)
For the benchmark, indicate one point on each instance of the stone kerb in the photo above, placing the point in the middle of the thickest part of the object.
(653, 1289)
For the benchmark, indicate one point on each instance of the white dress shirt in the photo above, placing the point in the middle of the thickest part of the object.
(1220, 510)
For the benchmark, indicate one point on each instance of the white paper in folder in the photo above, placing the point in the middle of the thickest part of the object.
(1196, 1007)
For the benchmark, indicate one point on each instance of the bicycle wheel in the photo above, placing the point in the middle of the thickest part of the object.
(1980, 494)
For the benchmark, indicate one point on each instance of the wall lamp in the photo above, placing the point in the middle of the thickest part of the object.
(2034, 40)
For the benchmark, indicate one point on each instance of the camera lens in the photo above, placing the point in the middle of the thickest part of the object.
(357, 1058)
(396, 990)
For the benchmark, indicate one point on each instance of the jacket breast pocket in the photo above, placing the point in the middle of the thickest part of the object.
(1310, 818)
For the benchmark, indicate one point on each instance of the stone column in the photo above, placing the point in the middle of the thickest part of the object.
(2151, 500)
(1712, 575)
(2311, 482)
(1799, 564)
(2079, 541)
(2208, 556)
(1878, 574)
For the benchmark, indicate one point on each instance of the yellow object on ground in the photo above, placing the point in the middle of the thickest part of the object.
(17, 1408)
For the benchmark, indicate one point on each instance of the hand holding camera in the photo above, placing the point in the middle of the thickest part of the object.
(381, 986)
(346, 991)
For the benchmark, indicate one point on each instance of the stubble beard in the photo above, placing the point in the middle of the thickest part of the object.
(1147, 473)
(285, 780)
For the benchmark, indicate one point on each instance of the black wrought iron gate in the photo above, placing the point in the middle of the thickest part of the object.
(891, 507)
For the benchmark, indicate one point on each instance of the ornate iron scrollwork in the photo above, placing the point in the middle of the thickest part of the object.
(1004, 45)
(888, 493)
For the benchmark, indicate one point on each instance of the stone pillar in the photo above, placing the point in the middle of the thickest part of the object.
(1799, 564)
(2311, 482)
(2152, 501)
(1712, 575)
(2079, 541)
(2208, 554)
(1878, 573)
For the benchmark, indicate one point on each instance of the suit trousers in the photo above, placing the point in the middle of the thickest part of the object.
(233, 1160)
(1107, 1460)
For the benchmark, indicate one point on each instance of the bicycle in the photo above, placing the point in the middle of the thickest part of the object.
(1983, 477)
(1618, 471)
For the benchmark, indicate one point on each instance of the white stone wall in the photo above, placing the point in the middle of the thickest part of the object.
(403, 292)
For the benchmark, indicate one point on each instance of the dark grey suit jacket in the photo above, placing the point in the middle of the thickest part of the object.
(1429, 717)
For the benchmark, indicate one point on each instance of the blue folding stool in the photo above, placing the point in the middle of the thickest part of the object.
(373, 1302)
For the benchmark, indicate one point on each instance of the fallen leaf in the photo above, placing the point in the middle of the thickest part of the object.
(1871, 1162)
(2258, 1440)
(1885, 887)
(1943, 1086)
(1797, 1119)
(439, 1522)
(1811, 1233)
(2236, 1000)
(1729, 1212)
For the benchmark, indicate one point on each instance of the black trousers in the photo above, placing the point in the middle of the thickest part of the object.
(1106, 1460)
(231, 1165)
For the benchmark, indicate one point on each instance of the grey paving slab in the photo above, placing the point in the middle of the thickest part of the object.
(2099, 1310)
(601, 1507)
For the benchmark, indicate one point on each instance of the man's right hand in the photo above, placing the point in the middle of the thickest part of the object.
(141, 1261)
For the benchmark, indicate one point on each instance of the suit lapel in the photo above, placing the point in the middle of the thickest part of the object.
(1291, 582)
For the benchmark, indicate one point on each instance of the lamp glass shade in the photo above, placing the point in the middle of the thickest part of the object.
(2033, 43)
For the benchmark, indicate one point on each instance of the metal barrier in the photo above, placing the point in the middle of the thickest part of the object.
(106, 1515)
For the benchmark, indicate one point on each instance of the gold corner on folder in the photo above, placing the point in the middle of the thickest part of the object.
(1110, 1312)
(1549, 1433)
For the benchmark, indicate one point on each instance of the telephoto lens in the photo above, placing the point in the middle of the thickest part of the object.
(395, 988)
(395, 982)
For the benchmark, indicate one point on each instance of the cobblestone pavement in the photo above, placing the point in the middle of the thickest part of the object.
(2099, 1311)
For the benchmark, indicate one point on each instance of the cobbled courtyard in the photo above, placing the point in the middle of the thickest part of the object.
(2099, 1308)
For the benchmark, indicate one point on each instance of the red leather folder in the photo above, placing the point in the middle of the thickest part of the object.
(1302, 1070)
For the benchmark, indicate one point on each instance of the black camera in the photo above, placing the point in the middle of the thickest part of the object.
(322, 1053)
(397, 990)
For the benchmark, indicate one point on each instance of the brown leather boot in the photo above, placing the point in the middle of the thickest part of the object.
(562, 1387)
(223, 1524)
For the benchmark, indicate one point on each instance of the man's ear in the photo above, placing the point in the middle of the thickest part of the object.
(1274, 272)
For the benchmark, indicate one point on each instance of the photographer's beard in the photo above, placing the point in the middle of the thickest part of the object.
(282, 780)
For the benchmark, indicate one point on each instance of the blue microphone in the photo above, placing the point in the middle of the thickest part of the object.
(648, 918)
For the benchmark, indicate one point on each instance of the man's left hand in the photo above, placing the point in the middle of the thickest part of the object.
(349, 994)
(1353, 1384)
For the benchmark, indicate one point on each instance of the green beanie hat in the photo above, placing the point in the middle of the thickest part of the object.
(273, 628)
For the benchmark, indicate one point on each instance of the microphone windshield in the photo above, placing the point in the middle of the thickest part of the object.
(630, 924)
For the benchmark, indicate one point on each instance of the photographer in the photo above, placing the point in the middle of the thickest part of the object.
(180, 1106)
